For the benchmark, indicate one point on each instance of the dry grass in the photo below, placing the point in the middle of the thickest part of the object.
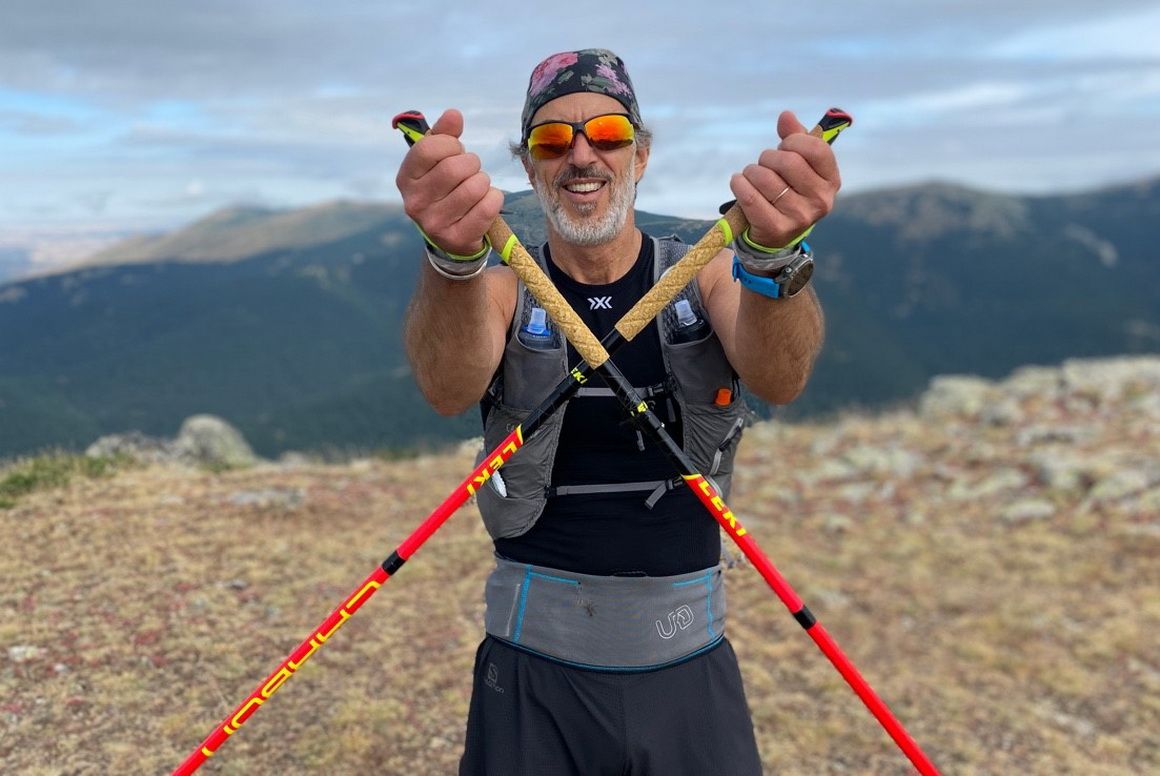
(151, 603)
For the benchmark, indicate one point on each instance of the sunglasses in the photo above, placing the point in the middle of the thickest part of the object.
(553, 139)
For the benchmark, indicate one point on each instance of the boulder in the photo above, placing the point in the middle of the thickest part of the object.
(956, 396)
(1110, 379)
(135, 445)
(210, 441)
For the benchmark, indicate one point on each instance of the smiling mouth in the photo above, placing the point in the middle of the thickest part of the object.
(586, 187)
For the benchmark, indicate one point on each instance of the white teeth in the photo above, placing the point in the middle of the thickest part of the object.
(583, 188)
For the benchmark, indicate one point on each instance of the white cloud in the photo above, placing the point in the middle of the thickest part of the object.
(290, 102)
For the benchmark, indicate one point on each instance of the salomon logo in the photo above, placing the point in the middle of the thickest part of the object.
(600, 303)
(680, 619)
(492, 680)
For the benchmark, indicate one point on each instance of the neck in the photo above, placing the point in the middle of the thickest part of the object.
(597, 264)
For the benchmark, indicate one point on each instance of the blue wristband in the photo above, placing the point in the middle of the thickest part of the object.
(756, 283)
(760, 284)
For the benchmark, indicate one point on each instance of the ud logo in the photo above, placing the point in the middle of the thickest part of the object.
(681, 619)
(600, 303)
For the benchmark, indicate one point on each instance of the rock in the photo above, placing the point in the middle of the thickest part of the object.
(1039, 435)
(23, 653)
(286, 498)
(829, 470)
(1062, 472)
(825, 443)
(135, 445)
(837, 524)
(1109, 379)
(1005, 412)
(956, 396)
(210, 441)
(855, 492)
(1027, 510)
(915, 517)
(1149, 502)
(1001, 481)
(1147, 403)
(292, 459)
(894, 462)
(1033, 381)
(1120, 484)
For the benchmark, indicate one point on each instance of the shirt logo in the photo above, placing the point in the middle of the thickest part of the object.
(600, 303)
(492, 680)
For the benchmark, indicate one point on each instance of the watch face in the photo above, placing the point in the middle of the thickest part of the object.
(799, 279)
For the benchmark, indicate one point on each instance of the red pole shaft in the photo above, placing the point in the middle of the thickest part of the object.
(328, 627)
(721, 512)
(272, 683)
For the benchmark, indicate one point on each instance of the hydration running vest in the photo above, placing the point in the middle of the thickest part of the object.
(695, 371)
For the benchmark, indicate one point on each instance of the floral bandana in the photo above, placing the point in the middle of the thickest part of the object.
(587, 70)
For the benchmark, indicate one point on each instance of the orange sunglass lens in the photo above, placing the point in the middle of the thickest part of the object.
(548, 141)
(609, 132)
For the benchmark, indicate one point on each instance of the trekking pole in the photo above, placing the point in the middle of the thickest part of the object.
(569, 322)
(720, 235)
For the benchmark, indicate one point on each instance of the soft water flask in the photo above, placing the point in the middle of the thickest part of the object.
(690, 327)
(536, 334)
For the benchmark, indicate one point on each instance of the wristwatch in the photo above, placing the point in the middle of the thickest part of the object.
(789, 281)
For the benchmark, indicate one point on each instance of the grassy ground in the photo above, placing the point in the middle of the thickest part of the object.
(139, 609)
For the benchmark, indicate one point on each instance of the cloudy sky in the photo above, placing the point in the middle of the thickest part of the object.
(130, 114)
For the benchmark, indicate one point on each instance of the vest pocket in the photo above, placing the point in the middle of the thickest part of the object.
(712, 433)
(526, 475)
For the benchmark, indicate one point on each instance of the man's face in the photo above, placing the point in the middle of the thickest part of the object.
(586, 194)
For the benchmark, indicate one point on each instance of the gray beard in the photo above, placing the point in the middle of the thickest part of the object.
(593, 231)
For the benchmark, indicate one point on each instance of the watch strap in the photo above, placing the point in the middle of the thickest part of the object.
(772, 287)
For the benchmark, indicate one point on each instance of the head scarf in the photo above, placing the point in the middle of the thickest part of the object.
(586, 70)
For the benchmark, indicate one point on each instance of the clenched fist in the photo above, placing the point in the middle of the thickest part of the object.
(445, 191)
(790, 188)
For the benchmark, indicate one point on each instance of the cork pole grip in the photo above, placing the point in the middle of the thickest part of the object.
(546, 294)
(679, 276)
(673, 281)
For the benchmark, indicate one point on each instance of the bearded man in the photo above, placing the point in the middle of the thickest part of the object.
(605, 650)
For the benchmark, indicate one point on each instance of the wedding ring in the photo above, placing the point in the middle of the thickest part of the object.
(779, 196)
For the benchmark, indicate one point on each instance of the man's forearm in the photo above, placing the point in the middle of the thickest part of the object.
(776, 342)
(448, 342)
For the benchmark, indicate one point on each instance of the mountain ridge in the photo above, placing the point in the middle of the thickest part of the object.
(299, 346)
(203, 234)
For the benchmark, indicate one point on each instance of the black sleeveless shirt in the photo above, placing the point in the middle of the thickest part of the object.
(616, 533)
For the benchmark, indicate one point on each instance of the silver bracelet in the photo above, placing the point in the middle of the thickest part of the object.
(767, 264)
(453, 269)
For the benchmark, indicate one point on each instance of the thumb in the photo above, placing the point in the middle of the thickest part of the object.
(450, 123)
(788, 124)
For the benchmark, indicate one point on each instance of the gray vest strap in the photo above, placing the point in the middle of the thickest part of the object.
(658, 488)
(647, 392)
(612, 623)
(696, 371)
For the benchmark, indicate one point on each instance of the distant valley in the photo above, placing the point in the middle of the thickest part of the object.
(287, 323)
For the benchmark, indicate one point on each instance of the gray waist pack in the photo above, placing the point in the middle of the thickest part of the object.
(606, 622)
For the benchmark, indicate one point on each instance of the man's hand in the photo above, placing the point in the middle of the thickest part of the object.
(790, 188)
(445, 191)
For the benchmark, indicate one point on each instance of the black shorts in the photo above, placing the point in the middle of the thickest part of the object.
(532, 716)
